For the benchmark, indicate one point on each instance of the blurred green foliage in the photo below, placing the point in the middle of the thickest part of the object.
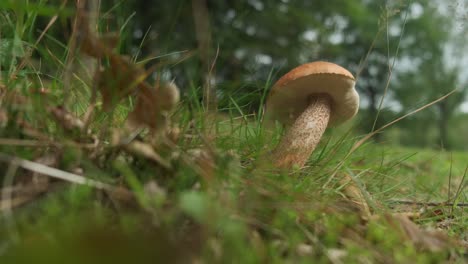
(397, 49)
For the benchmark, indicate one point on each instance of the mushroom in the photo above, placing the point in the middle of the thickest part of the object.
(308, 99)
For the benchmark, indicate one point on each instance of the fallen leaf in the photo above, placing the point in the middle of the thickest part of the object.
(173, 134)
(122, 195)
(106, 79)
(65, 119)
(154, 105)
(99, 47)
(145, 150)
(204, 162)
(118, 80)
(355, 194)
(429, 240)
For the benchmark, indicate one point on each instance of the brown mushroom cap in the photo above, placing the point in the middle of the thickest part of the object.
(290, 94)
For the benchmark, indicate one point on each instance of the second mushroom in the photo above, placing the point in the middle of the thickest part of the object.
(308, 99)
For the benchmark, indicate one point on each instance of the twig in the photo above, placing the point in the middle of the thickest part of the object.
(56, 173)
(42, 143)
(23, 142)
(428, 203)
(114, 192)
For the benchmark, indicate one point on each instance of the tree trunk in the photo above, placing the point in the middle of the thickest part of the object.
(203, 33)
(443, 125)
(372, 95)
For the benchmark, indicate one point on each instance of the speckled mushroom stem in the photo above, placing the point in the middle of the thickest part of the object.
(304, 135)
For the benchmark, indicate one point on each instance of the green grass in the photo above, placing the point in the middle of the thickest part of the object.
(243, 217)
(212, 204)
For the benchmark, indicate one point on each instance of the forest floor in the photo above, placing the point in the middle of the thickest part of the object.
(202, 198)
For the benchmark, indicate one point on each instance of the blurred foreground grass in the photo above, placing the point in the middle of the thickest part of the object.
(239, 217)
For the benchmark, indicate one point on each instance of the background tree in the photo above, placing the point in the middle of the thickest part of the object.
(432, 80)
(259, 40)
(430, 76)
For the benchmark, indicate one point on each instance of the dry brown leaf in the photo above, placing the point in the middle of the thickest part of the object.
(65, 119)
(146, 151)
(99, 47)
(118, 80)
(429, 240)
(92, 45)
(354, 193)
(173, 134)
(154, 105)
(205, 163)
(121, 77)
(122, 195)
